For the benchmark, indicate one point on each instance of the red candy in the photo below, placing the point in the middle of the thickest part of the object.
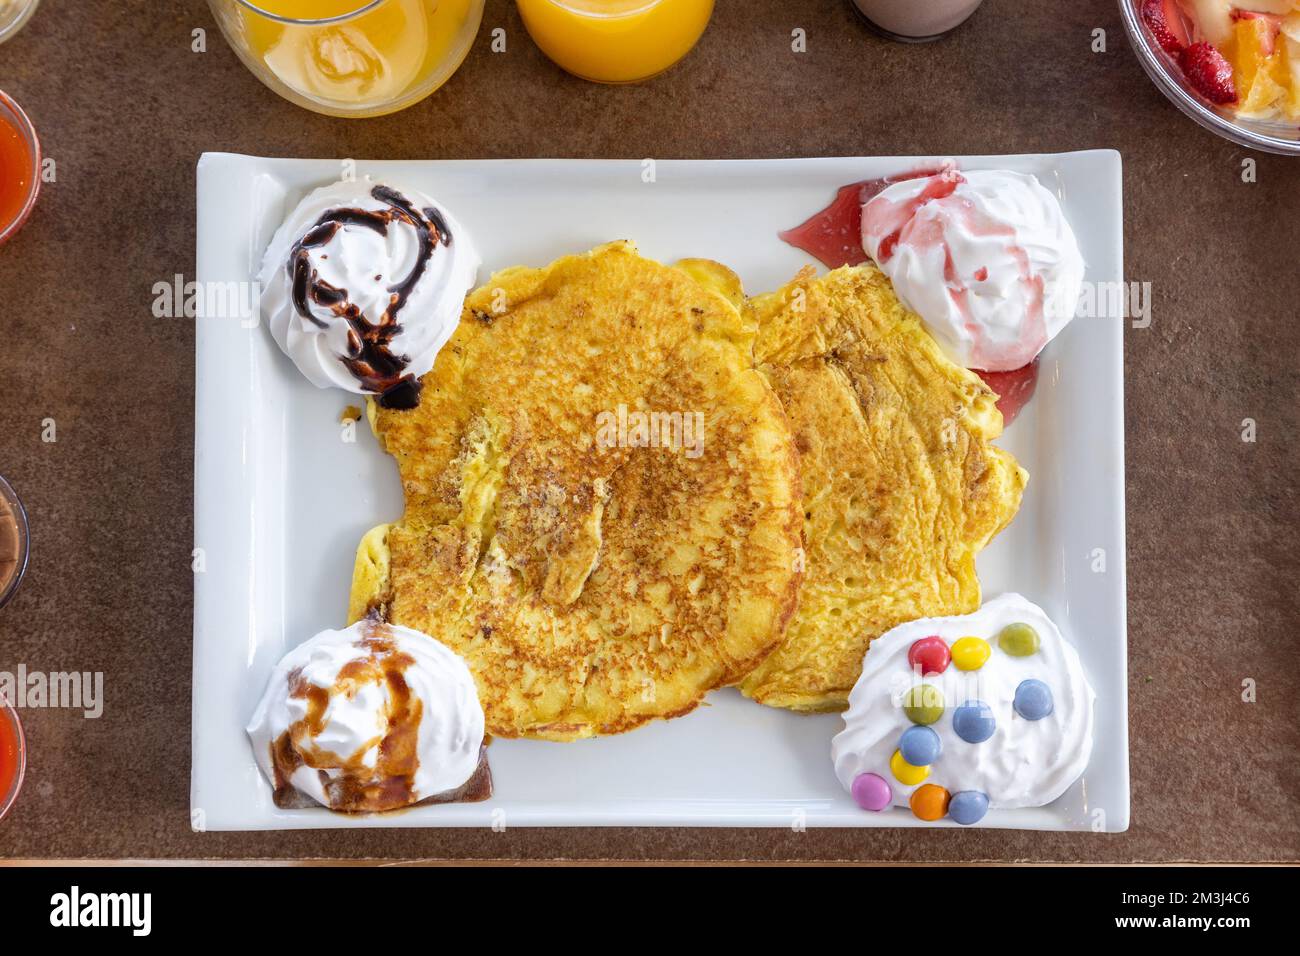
(930, 655)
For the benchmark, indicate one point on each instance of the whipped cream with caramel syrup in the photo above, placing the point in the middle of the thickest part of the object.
(374, 717)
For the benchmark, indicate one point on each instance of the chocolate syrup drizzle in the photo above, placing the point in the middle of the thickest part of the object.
(370, 357)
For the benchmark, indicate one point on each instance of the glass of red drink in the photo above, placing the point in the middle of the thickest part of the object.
(20, 167)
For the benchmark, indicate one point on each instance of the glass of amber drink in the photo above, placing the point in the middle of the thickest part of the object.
(351, 57)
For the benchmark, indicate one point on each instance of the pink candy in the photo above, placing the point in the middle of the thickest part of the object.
(871, 791)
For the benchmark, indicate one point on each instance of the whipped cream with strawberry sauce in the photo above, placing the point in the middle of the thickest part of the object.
(985, 257)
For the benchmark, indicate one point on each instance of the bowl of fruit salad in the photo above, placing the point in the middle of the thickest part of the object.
(1231, 65)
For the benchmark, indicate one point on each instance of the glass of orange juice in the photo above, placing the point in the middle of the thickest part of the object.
(615, 41)
(351, 57)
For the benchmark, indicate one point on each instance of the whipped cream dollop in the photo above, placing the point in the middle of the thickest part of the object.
(1023, 758)
(986, 258)
(370, 718)
(362, 285)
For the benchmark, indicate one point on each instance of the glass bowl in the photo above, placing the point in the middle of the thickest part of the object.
(379, 58)
(11, 114)
(9, 715)
(10, 499)
(14, 16)
(1268, 136)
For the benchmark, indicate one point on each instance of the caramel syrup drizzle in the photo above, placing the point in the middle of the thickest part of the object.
(356, 788)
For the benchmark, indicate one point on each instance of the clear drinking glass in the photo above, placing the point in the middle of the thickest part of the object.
(349, 57)
(915, 21)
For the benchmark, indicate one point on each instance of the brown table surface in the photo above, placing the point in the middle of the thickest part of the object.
(125, 108)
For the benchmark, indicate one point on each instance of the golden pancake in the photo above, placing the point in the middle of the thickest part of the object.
(602, 497)
(901, 486)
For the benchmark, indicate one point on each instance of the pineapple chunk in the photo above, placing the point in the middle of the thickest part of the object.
(1266, 6)
(1292, 54)
(1258, 71)
(1290, 25)
(1213, 20)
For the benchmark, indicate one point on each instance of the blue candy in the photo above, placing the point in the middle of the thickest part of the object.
(1033, 700)
(920, 746)
(974, 722)
(968, 806)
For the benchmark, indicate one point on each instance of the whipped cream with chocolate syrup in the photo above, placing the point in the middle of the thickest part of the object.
(362, 285)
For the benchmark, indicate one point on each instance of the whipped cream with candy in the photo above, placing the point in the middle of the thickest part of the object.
(370, 718)
(985, 257)
(362, 285)
(955, 715)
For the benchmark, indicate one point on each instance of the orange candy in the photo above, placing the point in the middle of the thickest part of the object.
(930, 802)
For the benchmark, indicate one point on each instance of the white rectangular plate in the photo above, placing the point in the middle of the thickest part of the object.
(281, 500)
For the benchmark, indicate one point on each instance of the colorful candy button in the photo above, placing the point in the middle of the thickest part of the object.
(968, 806)
(871, 791)
(929, 655)
(974, 722)
(923, 704)
(1033, 700)
(929, 802)
(1018, 640)
(920, 746)
(905, 773)
(970, 653)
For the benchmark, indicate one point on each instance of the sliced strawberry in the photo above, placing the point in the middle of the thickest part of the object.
(1155, 14)
(1209, 73)
(1176, 21)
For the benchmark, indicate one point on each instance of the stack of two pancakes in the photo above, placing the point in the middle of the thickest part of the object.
(626, 486)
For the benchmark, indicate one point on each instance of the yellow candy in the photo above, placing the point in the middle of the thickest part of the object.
(970, 653)
(904, 772)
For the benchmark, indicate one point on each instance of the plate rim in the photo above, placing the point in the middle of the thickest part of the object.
(208, 392)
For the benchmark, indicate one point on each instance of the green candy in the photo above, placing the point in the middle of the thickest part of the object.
(1018, 640)
(923, 704)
